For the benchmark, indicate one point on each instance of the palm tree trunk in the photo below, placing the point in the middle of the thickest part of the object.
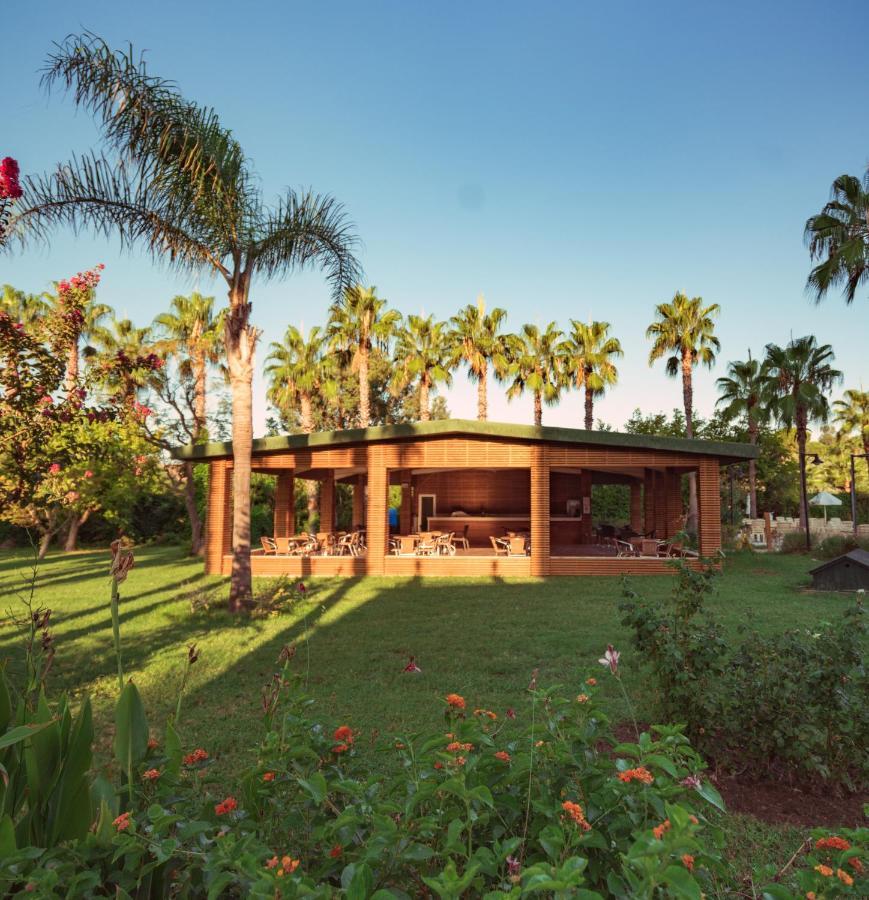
(312, 488)
(197, 545)
(752, 469)
(424, 411)
(802, 437)
(866, 448)
(482, 394)
(364, 390)
(71, 378)
(589, 408)
(538, 408)
(199, 389)
(688, 400)
(241, 338)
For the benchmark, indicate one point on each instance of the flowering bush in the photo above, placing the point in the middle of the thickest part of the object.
(793, 704)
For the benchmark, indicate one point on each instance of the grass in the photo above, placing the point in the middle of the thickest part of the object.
(479, 637)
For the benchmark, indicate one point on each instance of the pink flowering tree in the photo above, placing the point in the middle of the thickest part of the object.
(10, 191)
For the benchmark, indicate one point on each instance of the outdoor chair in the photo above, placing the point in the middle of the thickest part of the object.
(346, 545)
(444, 544)
(269, 546)
(623, 548)
(406, 545)
(307, 547)
(326, 542)
(463, 538)
(500, 546)
(518, 546)
(427, 547)
(282, 546)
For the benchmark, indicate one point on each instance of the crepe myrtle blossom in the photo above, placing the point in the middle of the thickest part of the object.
(611, 659)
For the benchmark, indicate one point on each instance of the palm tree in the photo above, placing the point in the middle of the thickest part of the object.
(423, 352)
(588, 358)
(192, 334)
(120, 338)
(744, 391)
(28, 309)
(360, 323)
(839, 237)
(852, 414)
(684, 329)
(479, 343)
(538, 366)
(177, 183)
(799, 375)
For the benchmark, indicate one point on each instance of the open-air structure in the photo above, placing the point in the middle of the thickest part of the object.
(473, 498)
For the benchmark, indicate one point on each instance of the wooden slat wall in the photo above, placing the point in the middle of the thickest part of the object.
(359, 500)
(377, 527)
(660, 504)
(608, 565)
(218, 519)
(540, 510)
(452, 566)
(674, 504)
(405, 512)
(637, 506)
(285, 505)
(472, 491)
(709, 503)
(303, 567)
(327, 503)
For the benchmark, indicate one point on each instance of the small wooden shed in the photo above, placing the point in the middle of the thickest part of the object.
(848, 572)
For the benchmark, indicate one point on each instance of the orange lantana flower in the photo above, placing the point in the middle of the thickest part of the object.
(227, 806)
(123, 822)
(660, 830)
(574, 812)
(844, 877)
(591, 682)
(456, 746)
(688, 861)
(503, 755)
(198, 755)
(456, 701)
(268, 776)
(834, 842)
(641, 773)
(151, 775)
(826, 871)
(344, 734)
(582, 698)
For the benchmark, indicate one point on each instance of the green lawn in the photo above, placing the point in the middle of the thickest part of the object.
(481, 638)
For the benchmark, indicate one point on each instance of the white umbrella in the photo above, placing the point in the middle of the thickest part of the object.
(825, 499)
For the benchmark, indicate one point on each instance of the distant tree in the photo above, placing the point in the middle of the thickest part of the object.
(537, 365)
(852, 416)
(799, 376)
(120, 341)
(838, 237)
(589, 352)
(742, 393)
(685, 330)
(423, 355)
(192, 335)
(21, 307)
(177, 183)
(360, 322)
(479, 343)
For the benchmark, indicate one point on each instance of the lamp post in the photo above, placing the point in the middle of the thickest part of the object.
(816, 461)
(854, 488)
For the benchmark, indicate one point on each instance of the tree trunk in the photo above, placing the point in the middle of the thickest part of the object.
(200, 373)
(312, 488)
(752, 470)
(71, 378)
(589, 408)
(241, 338)
(866, 449)
(482, 394)
(44, 544)
(688, 400)
(802, 437)
(538, 408)
(424, 411)
(197, 545)
(364, 389)
(71, 540)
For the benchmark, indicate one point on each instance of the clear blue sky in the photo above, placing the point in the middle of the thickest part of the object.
(566, 159)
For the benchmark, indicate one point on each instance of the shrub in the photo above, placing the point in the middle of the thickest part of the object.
(793, 704)
(792, 542)
(837, 544)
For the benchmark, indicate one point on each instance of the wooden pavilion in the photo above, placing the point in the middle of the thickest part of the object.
(481, 481)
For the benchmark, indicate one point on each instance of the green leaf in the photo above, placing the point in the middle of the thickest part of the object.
(361, 882)
(5, 703)
(131, 728)
(316, 786)
(682, 883)
(776, 892)
(662, 763)
(21, 733)
(73, 811)
(7, 836)
(707, 792)
(174, 752)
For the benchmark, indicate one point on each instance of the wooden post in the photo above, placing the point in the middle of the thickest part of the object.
(377, 525)
(649, 501)
(709, 507)
(674, 503)
(637, 506)
(585, 526)
(327, 503)
(359, 501)
(539, 510)
(285, 505)
(218, 519)
(660, 505)
(405, 512)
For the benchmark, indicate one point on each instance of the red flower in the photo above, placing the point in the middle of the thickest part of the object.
(228, 805)
(344, 734)
(511, 713)
(688, 861)
(10, 189)
(412, 667)
(88, 473)
(151, 774)
(123, 822)
(268, 776)
(54, 468)
(834, 842)
(336, 851)
(340, 748)
(503, 755)
(198, 755)
(641, 773)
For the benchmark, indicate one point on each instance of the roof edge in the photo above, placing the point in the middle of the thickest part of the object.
(472, 427)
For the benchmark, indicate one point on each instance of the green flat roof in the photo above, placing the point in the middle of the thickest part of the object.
(473, 428)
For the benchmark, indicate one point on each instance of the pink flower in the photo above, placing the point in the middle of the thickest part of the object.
(10, 189)
(88, 473)
(611, 659)
(412, 667)
(691, 781)
(54, 468)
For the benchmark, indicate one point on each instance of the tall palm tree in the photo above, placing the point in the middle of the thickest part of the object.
(25, 308)
(588, 358)
(423, 353)
(743, 392)
(120, 336)
(852, 414)
(538, 366)
(479, 343)
(685, 330)
(176, 182)
(799, 375)
(192, 334)
(360, 323)
(838, 237)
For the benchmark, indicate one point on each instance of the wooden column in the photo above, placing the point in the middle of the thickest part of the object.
(709, 507)
(359, 501)
(377, 524)
(405, 512)
(649, 501)
(327, 503)
(285, 505)
(539, 510)
(660, 505)
(674, 503)
(637, 506)
(585, 523)
(218, 519)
